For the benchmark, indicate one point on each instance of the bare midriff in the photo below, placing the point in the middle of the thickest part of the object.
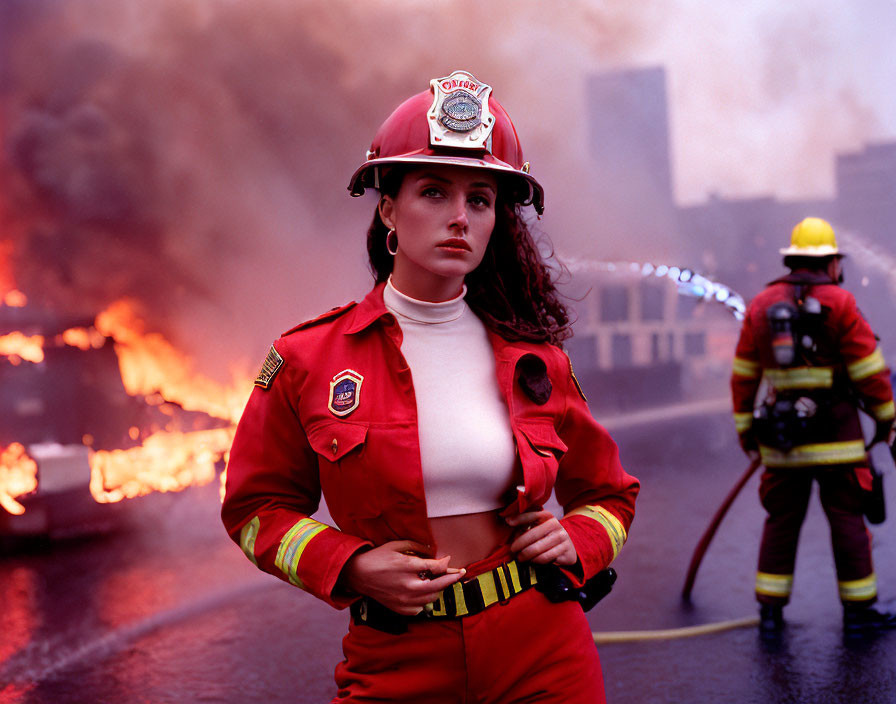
(469, 537)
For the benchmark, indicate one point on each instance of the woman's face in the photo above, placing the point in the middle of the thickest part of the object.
(443, 217)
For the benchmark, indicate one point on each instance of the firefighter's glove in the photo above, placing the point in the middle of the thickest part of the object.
(748, 442)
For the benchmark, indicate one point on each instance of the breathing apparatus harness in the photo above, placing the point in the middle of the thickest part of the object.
(790, 417)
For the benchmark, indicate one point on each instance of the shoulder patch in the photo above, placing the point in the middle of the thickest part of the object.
(576, 381)
(331, 314)
(269, 369)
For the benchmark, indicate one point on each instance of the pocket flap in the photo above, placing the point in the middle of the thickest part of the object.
(333, 440)
(543, 438)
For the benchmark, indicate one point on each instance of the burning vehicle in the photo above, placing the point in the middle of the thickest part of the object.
(94, 412)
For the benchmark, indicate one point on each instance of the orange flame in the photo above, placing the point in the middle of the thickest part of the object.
(18, 346)
(18, 476)
(15, 299)
(151, 367)
(164, 462)
(150, 364)
(9, 295)
(83, 338)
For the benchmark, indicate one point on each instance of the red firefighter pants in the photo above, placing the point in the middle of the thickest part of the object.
(785, 496)
(525, 650)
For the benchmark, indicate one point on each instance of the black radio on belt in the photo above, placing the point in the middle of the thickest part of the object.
(557, 587)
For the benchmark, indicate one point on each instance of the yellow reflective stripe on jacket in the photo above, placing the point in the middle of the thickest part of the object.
(884, 411)
(743, 421)
(248, 534)
(611, 524)
(774, 584)
(745, 367)
(865, 367)
(293, 544)
(818, 453)
(801, 378)
(859, 589)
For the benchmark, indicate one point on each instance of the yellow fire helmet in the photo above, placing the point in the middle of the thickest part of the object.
(812, 237)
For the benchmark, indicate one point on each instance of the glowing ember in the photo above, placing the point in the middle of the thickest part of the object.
(165, 462)
(18, 476)
(18, 346)
(15, 299)
(83, 338)
(150, 364)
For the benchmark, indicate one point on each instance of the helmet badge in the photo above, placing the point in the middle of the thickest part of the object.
(459, 116)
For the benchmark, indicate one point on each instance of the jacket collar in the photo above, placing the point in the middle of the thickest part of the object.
(816, 278)
(368, 311)
(372, 308)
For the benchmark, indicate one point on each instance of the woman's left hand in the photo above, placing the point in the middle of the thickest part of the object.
(542, 539)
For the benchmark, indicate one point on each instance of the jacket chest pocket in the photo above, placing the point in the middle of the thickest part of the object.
(349, 485)
(541, 450)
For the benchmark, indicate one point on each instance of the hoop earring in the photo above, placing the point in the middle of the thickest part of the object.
(390, 237)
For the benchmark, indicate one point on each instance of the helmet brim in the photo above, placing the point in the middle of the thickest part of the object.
(367, 175)
(823, 250)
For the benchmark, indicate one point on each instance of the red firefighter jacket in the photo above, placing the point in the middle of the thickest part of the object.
(334, 412)
(847, 369)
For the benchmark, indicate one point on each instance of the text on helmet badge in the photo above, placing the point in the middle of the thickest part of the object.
(459, 116)
(461, 112)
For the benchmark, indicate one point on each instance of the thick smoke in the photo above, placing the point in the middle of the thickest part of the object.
(193, 154)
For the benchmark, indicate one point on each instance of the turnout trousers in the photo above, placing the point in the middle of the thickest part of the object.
(525, 649)
(785, 495)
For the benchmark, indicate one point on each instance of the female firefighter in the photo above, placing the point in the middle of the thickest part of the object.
(436, 416)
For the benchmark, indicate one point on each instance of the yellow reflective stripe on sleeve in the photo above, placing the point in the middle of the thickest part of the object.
(611, 524)
(859, 589)
(865, 367)
(885, 411)
(774, 584)
(801, 378)
(745, 367)
(247, 538)
(819, 453)
(293, 544)
(743, 421)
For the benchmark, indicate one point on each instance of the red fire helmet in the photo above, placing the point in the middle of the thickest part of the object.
(456, 122)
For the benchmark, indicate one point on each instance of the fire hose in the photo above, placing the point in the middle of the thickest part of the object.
(696, 559)
(710, 532)
(670, 633)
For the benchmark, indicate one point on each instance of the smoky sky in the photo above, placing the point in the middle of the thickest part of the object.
(194, 154)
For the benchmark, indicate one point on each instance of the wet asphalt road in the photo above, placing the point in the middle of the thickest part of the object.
(165, 609)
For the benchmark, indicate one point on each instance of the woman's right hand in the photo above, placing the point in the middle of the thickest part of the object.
(397, 577)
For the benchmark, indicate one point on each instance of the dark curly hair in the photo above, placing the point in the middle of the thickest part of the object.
(512, 290)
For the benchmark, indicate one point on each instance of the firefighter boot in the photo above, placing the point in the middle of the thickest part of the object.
(771, 619)
(862, 619)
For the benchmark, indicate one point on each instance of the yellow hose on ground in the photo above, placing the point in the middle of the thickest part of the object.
(670, 633)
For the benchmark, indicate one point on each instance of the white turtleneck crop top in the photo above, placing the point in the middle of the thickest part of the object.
(466, 445)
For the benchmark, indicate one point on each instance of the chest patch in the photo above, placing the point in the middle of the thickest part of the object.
(345, 392)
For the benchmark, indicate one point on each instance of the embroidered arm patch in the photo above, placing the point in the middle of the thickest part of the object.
(269, 369)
